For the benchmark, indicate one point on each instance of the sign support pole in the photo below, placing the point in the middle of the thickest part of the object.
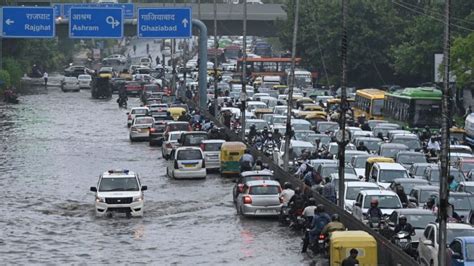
(202, 55)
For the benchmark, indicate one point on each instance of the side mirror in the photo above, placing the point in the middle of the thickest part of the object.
(404, 204)
(456, 256)
(144, 188)
(93, 189)
(128, 113)
(427, 242)
(357, 204)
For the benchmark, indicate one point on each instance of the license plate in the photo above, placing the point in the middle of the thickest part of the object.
(266, 211)
(403, 240)
(188, 165)
(144, 130)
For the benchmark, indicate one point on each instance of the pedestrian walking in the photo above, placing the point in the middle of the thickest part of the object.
(134, 49)
(147, 48)
(157, 59)
(45, 78)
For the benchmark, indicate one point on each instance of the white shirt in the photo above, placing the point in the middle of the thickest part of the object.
(45, 75)
(433, 145)
(302, 168)
(287, 194)
(309, 211)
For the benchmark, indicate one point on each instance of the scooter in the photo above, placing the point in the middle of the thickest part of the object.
(403, 240)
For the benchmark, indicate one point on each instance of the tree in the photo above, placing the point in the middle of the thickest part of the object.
(462, 60)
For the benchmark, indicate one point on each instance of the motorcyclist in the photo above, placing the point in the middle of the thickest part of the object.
(401, 194)
(431, 204)
(433, 145)
(362, 147)
(277, 135)
(265, 133)
(296, 205)
(320, 220)
(365, 127)
(452, 184)
(258, 140)
(183, 117)
(287, 193)
(312, 178)
(426, 134)
(214, 134)
(374, 210)
(404, 226)
(208, 125)
(308, 211)
(334, 225)
(252, 132)
(303, 168)
(246, 162)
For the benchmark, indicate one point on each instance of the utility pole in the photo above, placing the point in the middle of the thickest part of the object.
(216, 46)
(342, 140)
(443, 184)
(1, 53)
(243, 96)
(173, 62)
(290, 88)
(199, 9)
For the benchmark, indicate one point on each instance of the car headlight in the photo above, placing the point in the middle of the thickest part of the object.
(99, 199)
(137, 199)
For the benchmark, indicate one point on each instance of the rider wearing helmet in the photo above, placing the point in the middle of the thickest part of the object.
(287, 193)
(252, 132)
(362, 147)
(403, 225)
(374, 210)
(308, 211)
(334, 225)
(277, 135)
(320, 220)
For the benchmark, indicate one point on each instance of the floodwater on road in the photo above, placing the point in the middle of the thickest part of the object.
(54, 145)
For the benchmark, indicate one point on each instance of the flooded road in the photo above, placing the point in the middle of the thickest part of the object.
(54, 145)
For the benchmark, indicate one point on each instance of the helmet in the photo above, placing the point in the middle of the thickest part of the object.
(402, 219)
(319, 208)
(374, 202)
(287, 185)
(335, 217)
(311, 202)
(252, 126)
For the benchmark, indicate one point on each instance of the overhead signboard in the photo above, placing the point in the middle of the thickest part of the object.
(27, 22)
(88, 23)
(128, 9)
(169, 23)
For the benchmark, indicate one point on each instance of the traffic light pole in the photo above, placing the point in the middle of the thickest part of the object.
(243, 97)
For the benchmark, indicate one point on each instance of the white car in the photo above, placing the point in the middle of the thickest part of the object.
(385, 173)
(118, 57)
(170, 142)
(186, 163)
(140, 129)
(352, 189)
(70, 84)
(388, 201)
(212, 152)
(145, 61)
(136, 111)
(296, 147)
(119, 191)
(85, 81)
(428, 247)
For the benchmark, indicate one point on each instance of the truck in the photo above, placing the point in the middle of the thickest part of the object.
(101, 88)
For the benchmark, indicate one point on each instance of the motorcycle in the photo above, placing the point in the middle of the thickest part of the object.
(376, 223)
(403, 240)
(122, 103)
(268, 149)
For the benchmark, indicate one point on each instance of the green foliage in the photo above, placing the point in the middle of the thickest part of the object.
(5, 78)
(462, 58)
(14, 69)
(388, 41)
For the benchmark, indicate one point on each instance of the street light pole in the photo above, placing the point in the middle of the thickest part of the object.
(216, 46)
(343, 106)
(244, 73)
(443, 184)
(290, 88)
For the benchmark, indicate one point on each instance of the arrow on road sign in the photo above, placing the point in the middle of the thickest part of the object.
(113, 22)
(9, 22)
(185, 22)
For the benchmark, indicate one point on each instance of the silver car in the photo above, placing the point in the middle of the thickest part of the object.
(170, 142)
(259, 198)
(140, 128)
(212, 152)
(70, 84)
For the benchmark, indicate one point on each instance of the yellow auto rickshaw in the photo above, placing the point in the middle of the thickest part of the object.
(370, 162)
(299, 103)
(343, 241)
(280, 88)
(312, 107)
(231, 152)
(315, 117)
(176, 112)
(261, 111)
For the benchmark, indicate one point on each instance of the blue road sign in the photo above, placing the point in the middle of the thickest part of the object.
(128, 9)
(164, 23)
(27, 22)
(96, 23)
(57, 10)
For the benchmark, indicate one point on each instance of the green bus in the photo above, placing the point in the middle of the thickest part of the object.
(414, 107)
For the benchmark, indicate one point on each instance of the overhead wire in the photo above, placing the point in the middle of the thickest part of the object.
(321, 51)
(437, 13)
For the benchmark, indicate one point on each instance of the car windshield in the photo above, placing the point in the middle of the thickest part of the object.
(461, 202)
(139, 111)
(189, 155)
(385, 201)
(256, 177)
(419, 221)
(411, 143)
(302, 126)
(411, 158)
(324, 127)
(118, 184)
(372, 145)
(453, 233)
(351, 193)
(458, 176)
(264, 190)
(193, 139)
(469, 252)
(178, 127)
(390, 152)
(408, 186)
(359, 161)
(212, 146)
(175, 136)
(465, 166)
(387, 176)
(279, 120)
(327, 170)
(144, 120)
(418, 170)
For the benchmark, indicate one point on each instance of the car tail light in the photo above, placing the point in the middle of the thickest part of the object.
(240, 187)
(176, 165)
(247, 200)
(168, 145)
(321, 237)
(152, 129)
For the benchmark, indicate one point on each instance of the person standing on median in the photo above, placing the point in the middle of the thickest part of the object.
(45, 78)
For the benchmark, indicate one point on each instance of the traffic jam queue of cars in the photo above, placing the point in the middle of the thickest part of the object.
(392, 169)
